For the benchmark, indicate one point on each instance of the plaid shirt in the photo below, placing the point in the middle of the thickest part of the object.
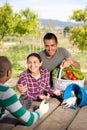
(36, 87)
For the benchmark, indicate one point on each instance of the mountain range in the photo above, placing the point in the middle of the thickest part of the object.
(58, 23)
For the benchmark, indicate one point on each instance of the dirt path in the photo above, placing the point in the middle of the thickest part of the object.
(6, 45)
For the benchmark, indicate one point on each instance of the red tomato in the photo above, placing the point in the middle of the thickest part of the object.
(70, 75)
(74, 78)
(68, 71)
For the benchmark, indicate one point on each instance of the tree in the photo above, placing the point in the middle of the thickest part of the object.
(79, 34)
(28, 24)
(24, 22)
(66, 30)
(5, 20)
(80, 15)
(79, 37)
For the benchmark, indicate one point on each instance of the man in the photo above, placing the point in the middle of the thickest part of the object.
(54, 56)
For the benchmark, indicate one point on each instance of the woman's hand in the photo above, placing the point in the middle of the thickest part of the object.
(42, 96)
(22, 89)
(58, 92)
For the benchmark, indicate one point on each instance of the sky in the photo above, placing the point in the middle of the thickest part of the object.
(49, 9)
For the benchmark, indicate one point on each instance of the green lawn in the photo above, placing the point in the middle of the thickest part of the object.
(19, 52)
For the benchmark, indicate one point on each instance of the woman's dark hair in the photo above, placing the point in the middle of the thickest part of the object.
(49, 36)
(5, 65)
(34, 54)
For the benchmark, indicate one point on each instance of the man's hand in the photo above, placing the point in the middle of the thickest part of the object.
(66, 63)
(70, 62)
(70, 101)
(44, 107)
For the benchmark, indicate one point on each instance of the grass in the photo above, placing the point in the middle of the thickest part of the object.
(19, 52)
(17, 68)
(81, 57)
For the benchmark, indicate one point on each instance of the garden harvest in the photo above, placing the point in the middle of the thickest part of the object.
(69, 73)
(73, 73)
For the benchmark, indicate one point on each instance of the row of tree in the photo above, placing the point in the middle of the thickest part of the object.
(79, 34)
(26, 22)
(12, 23)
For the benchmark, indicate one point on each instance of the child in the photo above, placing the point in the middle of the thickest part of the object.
(34, 83)
(9, 100)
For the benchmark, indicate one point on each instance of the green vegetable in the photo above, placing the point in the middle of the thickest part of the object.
(76, 72)
(55, 72)
(79, 76)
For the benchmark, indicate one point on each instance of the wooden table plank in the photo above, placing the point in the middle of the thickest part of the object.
(5, 126)
(58, 120)
(53, 105)
(8, 123)
(80, 121)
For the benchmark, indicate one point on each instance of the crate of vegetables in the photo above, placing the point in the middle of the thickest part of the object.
(68, 75)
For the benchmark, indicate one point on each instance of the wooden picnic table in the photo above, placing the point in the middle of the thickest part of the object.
(57, 118)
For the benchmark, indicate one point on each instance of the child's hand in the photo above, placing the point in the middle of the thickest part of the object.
(44, 107)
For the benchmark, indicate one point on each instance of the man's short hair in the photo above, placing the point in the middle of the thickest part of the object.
(49, 36)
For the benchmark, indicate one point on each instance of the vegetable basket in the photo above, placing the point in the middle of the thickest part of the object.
(59, 83)
(63, 83)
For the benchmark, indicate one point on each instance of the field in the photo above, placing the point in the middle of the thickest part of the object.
(17, 51)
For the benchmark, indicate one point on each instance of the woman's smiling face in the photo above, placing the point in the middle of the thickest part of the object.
(34, 64)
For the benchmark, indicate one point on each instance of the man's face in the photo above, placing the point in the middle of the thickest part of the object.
(50, 47)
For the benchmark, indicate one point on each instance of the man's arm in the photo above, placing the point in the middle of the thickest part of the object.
(71, 61)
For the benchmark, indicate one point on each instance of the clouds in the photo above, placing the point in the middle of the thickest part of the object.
(61, 12)
(51, 9)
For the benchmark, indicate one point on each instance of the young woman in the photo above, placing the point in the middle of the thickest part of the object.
(34, 83)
